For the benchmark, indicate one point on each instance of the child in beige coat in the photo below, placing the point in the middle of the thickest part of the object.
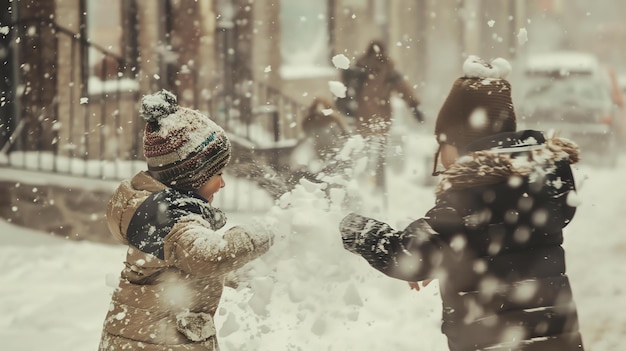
(177, 262)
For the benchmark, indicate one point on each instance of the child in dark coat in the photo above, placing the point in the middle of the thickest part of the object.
(494, 237)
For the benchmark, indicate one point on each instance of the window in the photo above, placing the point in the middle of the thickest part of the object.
(304, 43)
(111, 29)
(104, 29)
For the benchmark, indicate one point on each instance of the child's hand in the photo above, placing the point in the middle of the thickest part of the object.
(416, 285)
(261, 232)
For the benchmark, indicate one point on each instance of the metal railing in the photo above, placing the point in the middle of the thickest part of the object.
(65, 119)
(272, 120)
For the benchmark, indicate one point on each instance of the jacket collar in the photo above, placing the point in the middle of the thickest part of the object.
(502, 161)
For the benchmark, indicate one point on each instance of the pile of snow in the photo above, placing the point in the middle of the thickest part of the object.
(311, 294)
(307, 293)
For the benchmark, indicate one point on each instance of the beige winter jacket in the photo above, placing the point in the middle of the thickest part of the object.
(175, 267)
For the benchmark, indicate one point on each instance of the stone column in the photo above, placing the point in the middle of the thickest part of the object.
(70, 117)
(266, 42)
(149, 19)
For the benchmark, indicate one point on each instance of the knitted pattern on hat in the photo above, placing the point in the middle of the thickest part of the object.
(478, 105)
(183, 148)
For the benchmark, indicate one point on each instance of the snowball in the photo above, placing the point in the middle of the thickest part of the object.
(475, 67)
(341, 61)
(502, 66)
(337, 88)
(522, 36)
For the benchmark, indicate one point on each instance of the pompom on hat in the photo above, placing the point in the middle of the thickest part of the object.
(478, 105)
(183, 148)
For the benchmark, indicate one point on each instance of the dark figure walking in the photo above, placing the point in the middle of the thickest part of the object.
(375, 80)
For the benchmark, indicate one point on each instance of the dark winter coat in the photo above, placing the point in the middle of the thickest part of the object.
(379, 79)
(493, 240)
(175, 267)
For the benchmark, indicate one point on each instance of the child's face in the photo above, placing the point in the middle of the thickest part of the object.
(213, 185)
(449, 154)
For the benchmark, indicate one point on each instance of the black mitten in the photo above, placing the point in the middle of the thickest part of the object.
(351, 228)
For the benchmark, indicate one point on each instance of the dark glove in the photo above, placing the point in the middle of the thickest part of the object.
(417, 112)
(351, 228)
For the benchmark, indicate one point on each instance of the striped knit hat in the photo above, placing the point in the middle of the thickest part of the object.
(478, 105)
(183, 147)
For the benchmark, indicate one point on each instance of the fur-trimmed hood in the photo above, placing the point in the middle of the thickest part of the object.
(508, 160)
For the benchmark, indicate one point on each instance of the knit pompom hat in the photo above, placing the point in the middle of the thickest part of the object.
(183, 147)
(478, 105)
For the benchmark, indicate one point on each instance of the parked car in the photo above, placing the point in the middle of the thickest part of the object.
(572, 94)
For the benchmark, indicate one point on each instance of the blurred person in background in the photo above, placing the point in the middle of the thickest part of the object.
(325, 133)
(373, 80)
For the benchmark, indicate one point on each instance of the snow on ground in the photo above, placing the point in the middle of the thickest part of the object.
(309, 293)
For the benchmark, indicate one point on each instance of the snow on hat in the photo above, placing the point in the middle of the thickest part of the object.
(183, 147)
(478, 105)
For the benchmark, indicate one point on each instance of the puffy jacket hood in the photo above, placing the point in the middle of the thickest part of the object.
(506, 157)
(125, 200)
